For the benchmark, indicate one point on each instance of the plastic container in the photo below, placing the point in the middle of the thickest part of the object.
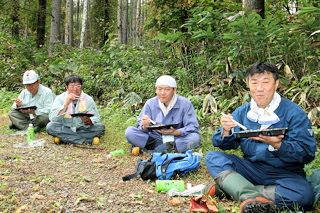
(165, 185)
(30, 134)
(115, 153)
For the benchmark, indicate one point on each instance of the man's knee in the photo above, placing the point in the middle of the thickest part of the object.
(212, 157)
(52, 128)
(129, 132)
(100, 128)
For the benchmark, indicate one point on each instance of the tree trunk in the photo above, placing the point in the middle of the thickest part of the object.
(15, 18)
(84, 20)
(125, 23)
(71, 24)
(55, 24)
(107, 18)
(119, 16)
(133, 22)
(41, 27)
(67, 22)
(256, 5)
(68, 32)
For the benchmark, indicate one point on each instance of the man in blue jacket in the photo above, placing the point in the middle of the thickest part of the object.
(166, 108)
(270, 175)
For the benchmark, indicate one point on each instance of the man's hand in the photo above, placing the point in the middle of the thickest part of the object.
(171, 131)
(227, 124)
(18, 102)
(145, 121)
(29, 111)
(69, 98)
(274, 141)
(86, 120)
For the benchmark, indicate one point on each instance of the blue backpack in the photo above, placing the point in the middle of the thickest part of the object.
(164, 166)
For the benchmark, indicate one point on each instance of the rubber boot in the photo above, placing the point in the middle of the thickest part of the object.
(213, 190)
(240, 189)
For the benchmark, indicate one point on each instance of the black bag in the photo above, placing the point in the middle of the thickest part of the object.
(146, 169)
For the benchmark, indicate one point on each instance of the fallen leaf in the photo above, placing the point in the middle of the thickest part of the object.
(175, 201)
(202, 204)
(150, 191)
(37, 196)
(96, 160)
(21, 207)
(81, 199)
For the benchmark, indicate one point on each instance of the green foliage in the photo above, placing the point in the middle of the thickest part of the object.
(207, 52)
(103, 23)
(6, 100)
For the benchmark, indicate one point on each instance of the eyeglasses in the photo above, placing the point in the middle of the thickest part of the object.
(75, 86)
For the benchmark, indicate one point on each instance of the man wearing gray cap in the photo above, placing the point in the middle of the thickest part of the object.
(166, 108)
(36, 96)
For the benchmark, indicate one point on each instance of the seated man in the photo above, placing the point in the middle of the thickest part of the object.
(166, 108)
(74, 129)
(270, 176)
(36, 95)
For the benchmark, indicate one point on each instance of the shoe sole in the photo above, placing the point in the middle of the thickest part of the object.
(259, 207)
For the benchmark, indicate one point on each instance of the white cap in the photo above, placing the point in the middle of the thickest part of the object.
(30, 76)
(166, 80)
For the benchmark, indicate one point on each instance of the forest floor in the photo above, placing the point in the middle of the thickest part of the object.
(66, 178)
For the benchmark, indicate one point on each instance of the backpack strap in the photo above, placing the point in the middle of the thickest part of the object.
(139, 169)
(165, 165)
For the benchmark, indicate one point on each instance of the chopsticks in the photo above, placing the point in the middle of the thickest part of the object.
(153, 122)
(239, 124)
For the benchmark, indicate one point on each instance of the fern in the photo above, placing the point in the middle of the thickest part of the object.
(132, 99)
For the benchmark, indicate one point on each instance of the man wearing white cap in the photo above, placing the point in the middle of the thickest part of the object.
(166, 108)
(36, 95)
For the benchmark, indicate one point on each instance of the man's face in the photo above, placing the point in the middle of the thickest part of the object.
(165, 93)
(262, 87)
(33, 88)
(74, 88)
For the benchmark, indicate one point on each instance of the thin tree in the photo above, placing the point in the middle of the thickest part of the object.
(68, 32)
(119, 17)
(41, 26)
(125, 22)
(55, 24)
(15, 30)
(84, 20)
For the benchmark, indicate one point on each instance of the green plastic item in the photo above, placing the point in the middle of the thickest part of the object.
(30, 134)
(165, 185)
(117, 152)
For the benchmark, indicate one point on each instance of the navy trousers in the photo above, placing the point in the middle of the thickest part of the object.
(292, 189)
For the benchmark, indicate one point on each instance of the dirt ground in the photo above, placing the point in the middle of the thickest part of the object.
(65, 178)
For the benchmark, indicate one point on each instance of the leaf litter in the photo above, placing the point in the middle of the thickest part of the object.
(66, 178)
